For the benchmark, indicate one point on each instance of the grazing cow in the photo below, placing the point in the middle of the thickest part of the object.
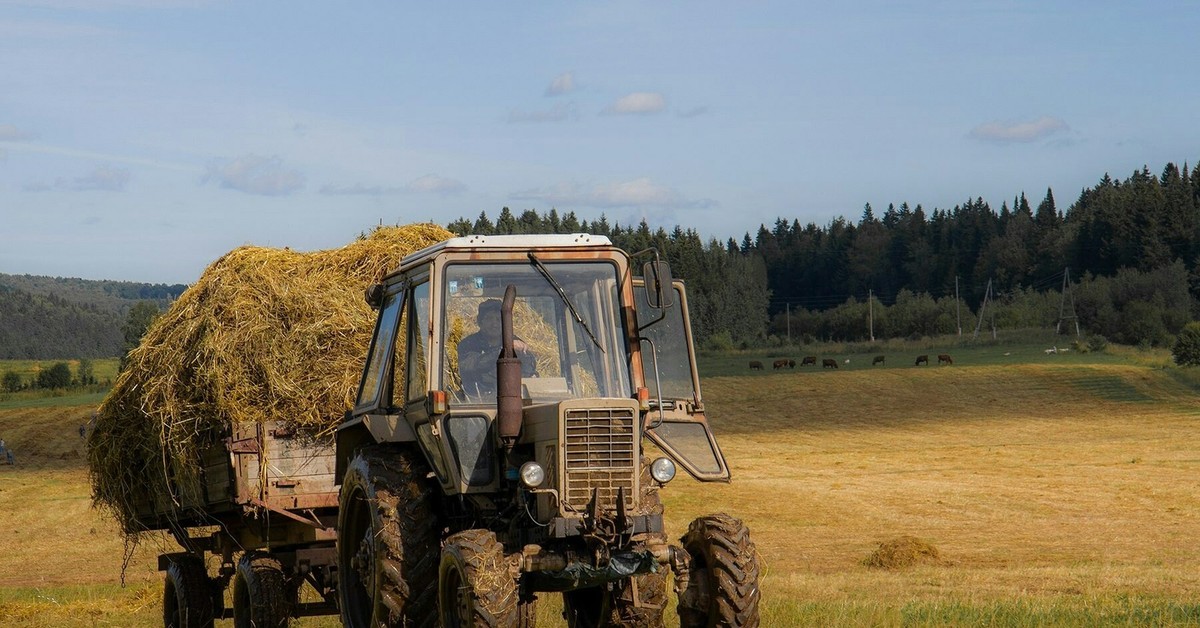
(778, 364)
(922, 359)
(829, 363)
(878, 360)
(755, 365)
(944, 358)
(809, 359)
(791, 364)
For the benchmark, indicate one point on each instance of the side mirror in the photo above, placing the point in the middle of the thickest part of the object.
(374, 295)
(657, 275)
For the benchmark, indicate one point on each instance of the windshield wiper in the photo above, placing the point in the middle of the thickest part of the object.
(562, 294)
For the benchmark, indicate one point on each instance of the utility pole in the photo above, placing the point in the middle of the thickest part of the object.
(871, 312)
(788, 305)
(957, 306)
(987, 296)
(1066, 292)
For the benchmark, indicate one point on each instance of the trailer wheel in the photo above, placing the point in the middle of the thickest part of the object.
(475, 588)
(722, 586)
(387, 544)
(260, 593)
(187, 594)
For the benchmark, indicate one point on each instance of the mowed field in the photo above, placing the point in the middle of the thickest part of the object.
(1055, 491)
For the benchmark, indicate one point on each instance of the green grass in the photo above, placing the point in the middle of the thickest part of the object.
(50, 399)
(104, 369)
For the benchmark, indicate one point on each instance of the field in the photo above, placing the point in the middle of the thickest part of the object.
(1056, 489)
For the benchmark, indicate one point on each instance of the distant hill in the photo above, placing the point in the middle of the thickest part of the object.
(45, 318)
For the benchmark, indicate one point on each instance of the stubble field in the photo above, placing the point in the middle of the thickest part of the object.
(1056, 492)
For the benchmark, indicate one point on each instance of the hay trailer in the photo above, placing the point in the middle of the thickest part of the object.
(500, 448)
(268, 496)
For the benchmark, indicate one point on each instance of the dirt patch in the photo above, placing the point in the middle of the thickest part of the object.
(903, 552)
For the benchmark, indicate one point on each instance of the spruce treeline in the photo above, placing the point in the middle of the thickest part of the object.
(1132, 248)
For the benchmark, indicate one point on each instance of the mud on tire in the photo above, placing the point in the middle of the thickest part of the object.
(475, 587)
(722, 587)
(261, 597)
(187, 594)
(388, 540)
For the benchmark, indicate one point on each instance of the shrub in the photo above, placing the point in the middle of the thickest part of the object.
(1187, 346)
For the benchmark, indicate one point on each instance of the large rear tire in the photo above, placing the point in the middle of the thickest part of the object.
(187, 594)
(722, 588)
(475, 587)
(260, 593)
(388, 534)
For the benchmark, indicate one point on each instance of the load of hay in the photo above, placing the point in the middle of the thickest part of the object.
(264, 335)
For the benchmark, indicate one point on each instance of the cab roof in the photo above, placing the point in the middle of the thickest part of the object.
(507, 242)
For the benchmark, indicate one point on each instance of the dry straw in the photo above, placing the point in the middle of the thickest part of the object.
(264, 335)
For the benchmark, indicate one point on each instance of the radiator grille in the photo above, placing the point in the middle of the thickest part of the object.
(600, 454)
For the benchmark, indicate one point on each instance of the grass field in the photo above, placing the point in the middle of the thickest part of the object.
(1058, 490)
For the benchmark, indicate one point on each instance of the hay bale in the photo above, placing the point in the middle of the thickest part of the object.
(903, 552)
(264, 335)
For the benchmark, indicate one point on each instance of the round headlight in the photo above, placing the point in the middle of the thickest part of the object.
(663, 470)
(532, 474)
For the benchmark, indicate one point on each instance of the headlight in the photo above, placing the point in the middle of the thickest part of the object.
(662, 470)
(532, 474)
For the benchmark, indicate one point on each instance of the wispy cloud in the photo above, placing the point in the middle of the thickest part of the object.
(694, 112)
(562, 84)
(1009, 132)
(557, 113)
(637, 103)
(428, 184)
(109, 5)
(10, 133)
(635, 193)
(255, 174)
(103, 178)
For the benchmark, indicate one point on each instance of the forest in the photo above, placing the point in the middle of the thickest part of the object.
(1120, 262)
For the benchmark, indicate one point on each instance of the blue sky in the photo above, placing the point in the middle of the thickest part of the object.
(142, 139)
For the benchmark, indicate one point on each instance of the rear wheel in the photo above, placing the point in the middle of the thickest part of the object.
(722, 586)
(388, 541)
(187, 594)
(475, 588)
(260, 593)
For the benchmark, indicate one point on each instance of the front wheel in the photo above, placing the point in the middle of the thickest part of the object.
(475, 588)
(722, 584)
(187, 594)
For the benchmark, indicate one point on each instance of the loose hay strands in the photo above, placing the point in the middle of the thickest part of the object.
(902, 552)
(264, 335)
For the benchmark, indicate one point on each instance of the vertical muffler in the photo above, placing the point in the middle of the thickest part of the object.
(508, 376)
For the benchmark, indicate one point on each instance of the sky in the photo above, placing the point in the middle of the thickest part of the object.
(142, 139)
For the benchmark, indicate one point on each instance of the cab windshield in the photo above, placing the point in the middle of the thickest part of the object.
(562, 357)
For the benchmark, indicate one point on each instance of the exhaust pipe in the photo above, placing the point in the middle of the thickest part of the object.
(508, 376)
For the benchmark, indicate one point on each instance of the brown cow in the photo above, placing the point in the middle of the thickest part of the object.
(791, 364)
(878, 360)
(778, 364)
(829, 363)
(809, 359)
(755, 365)
(922, 359)
(944, 358)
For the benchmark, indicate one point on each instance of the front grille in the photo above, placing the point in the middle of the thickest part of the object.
(601, 449)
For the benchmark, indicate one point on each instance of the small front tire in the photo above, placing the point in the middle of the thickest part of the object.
(475, 588)
(722, 586)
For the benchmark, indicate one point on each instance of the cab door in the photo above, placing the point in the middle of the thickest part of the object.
(676, 421)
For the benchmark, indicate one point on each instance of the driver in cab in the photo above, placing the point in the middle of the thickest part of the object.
(477, 353)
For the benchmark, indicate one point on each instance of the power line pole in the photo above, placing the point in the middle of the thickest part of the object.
(987, 296)
(957, 306)
(788, 305)
(1066, 293)
(871, 311)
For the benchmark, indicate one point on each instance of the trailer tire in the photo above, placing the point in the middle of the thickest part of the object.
(475, 586)
(187, 594)
(387, 548)
(722, 586)
(260, 593)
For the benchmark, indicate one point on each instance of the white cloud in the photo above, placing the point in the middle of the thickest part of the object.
(255, 174)
(428, 184)
(637, 103)
(1019, 131)
(10, 133)
(562, 84)
(634, 193)
(557, 113)
(102, 178)
(433, 184)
